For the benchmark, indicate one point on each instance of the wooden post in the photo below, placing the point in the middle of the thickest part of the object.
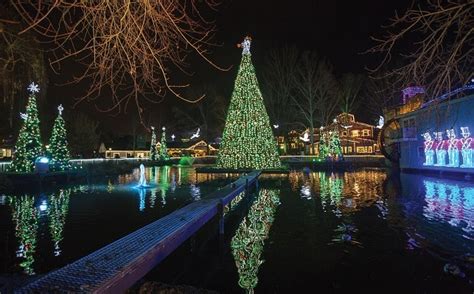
(221, 217)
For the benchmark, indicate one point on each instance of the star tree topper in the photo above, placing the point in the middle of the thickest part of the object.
(245, 45)
(33, 88)
(60, 109)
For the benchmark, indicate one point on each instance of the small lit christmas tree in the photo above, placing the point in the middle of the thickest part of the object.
(163, 149)
(248, 140)
(323, 145)
(58, 144)
(28, 146)
(153, 153)
(335, 148)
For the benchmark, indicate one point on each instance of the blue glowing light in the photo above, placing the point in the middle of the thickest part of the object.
(452, 152)
(43, 160)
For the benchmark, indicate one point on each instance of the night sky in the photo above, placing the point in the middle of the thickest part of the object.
(339, 30)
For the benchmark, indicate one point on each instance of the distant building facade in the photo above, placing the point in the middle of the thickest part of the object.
(175, 149)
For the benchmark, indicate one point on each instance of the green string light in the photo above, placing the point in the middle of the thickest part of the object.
(248, 140)
(58, 146)
(247, 244)
(28, 146)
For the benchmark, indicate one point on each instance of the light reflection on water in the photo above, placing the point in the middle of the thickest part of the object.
(434, 215)
(48, 224)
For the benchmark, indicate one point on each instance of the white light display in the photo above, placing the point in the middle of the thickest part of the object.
(452, 152)
(196, 135)
(23, 116)
(453, 148)
(381, 122)
(33, 88)
(245, 45)
(305, 137)
(440, 149)
(466, 148)
(429, 152)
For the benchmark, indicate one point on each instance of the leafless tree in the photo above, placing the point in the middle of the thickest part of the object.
(208, 114)
(277, 84)
(381, 92)
(443, 48)
(314, 92)
(21, 62)
(128, 48)
(83, 135)
(349, 92)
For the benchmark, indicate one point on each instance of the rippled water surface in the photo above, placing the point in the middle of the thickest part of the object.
(306, 231)
(43, 231)
(349, 232)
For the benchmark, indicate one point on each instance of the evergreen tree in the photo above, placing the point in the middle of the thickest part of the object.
(323, 145)
(248, 140)
(153, 153)
(58, 145)
(163, 149)
(28, 146)
(335, 148)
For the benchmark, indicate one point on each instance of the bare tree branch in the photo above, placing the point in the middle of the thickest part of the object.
(442, 36)
(127, 47)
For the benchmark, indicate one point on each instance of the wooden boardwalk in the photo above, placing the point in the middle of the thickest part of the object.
(117, 266)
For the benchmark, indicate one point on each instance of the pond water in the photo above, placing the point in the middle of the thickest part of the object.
(363, 230)
(43, 231)
(328, 232)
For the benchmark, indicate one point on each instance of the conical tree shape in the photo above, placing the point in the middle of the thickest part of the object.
(58, 144)
(28, 146)
(248, 140)
(163, 148)
(153, 152)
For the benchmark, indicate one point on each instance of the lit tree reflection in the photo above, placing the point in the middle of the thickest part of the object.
(25, 217)
(58, 209)
(247, 244)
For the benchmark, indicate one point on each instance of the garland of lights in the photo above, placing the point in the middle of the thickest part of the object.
(28, 146)
(163, 149)
(58, 144)
(248, 140)
(153, 152)
(58, 208)
(25, 217)
(247, 244)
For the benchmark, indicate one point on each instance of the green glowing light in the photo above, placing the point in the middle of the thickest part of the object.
(248, 140)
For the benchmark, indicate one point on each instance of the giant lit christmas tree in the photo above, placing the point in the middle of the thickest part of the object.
(58, 144)
(163, 149)
(28, 146)
(248, 140)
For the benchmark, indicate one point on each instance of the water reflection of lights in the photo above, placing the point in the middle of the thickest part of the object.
(43, 206)
(141, 203)
(305, 192)
(341, 193)
(25, 216)
(247, 243)
(450, 203)
(59, 206)
(195, 192)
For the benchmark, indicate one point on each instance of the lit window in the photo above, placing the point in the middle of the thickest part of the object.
(366, 132)
(350, 149)
(361, 149)
(355, 133)
(370, 149)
